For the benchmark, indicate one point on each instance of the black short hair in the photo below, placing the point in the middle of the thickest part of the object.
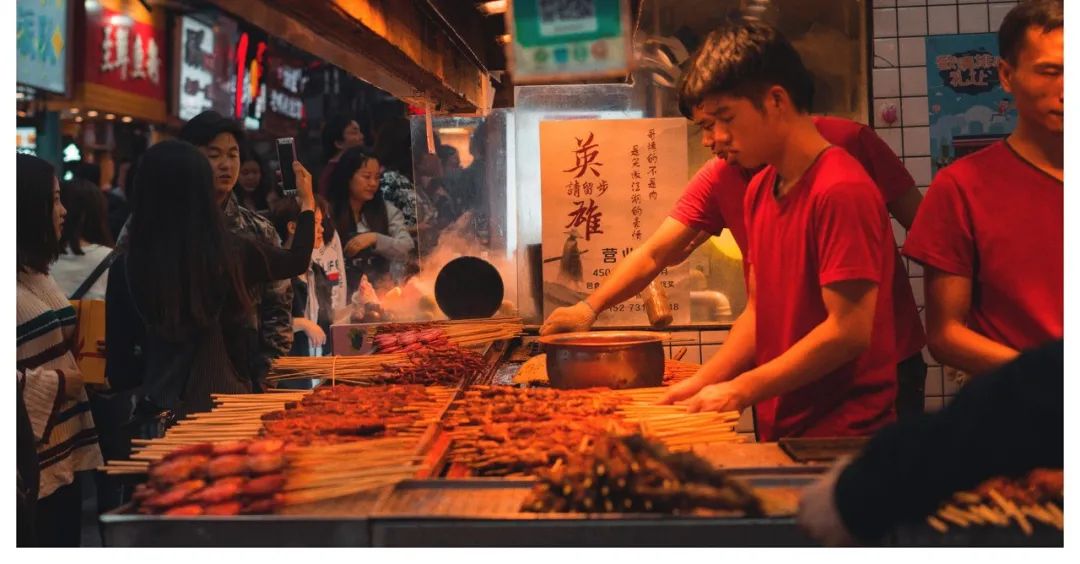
(744, 57)
(36, 243)
(333, 132)
(1045, 14)
(203, 128)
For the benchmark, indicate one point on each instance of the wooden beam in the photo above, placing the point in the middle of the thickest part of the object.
(391, 44)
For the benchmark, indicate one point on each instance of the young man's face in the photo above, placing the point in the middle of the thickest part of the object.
(1037, 81)
(735, 130)
(224, 154)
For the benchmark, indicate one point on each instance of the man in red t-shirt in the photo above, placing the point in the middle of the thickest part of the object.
(991, 231)
(713, 200)
(815, 349)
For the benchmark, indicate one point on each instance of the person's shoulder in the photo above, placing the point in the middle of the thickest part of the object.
(840, 131)
(838, 172)
(256, 220)
(976, 163)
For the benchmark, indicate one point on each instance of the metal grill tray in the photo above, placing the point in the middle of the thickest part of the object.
(486, 512)
(339, 522)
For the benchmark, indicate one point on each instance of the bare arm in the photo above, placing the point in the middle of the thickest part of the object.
(948, 302)
(735, 356)
(660, 250)
(906, 206)
(839, 339)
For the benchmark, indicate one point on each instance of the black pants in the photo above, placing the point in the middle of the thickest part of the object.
(911, 389)
(112, 412)
(58, 521)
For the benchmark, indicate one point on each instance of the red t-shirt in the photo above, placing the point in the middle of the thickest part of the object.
(831, 227)
(997, 219)
(713, 200)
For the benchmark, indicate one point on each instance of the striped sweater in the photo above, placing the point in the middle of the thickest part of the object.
(63, 428)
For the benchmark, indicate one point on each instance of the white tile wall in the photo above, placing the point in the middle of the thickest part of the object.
(911, 21)
(879, 106)
(887, 83)
(912, 51)
(886, 53)
(941, 20)
(894, 137)
(974, 18)
(885, 22)
(916, 140)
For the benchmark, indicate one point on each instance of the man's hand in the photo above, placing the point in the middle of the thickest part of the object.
(316, 336)
(359, 243)
(683, 390)
(818, 515)
(725, 396)
(578, 317)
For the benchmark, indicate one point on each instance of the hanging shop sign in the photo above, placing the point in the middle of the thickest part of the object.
(250, 96)
(605, 186)
(286, 82)
(559, 41)
(968, 107)
(41, 38)
(124, 53)
(203, 80)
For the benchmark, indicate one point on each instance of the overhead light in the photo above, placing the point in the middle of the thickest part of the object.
(21, 113)
(91, 113)
(126, 119)
(503, 39)
(492, 8)
(78, 119)
(19, 95)
(453, 131)
(73, 110)
(110, 116)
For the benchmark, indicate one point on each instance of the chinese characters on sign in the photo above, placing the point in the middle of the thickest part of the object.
(607, 185)
(41, 43)
(971, 71)
(125, 53)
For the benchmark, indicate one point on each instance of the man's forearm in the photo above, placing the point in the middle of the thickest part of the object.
(824, 349)
(961, 348)
(628, 279)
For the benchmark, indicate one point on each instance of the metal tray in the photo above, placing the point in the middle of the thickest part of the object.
(340, 522)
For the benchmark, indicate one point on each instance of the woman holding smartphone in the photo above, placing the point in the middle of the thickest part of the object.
(178, 296)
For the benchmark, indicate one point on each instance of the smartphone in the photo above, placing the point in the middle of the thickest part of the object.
(286, 151)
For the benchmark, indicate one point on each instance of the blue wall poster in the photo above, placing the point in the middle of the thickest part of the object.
(41, 40)
(968, 108)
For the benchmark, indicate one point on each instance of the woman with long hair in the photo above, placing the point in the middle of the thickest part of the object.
(178, 297)
(373, 229)
(49, 378)
(255, 184)
(85, 241)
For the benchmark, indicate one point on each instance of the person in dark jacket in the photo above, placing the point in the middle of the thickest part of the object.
(181, 292)
(1005, 423)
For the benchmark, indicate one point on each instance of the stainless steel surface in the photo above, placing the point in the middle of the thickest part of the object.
(614, 359)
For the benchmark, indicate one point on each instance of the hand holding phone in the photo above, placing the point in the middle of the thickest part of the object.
(286, 150)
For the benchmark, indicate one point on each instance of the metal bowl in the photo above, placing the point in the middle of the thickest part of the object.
(613, 359)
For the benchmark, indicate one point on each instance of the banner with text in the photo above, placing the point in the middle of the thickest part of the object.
(606, 186)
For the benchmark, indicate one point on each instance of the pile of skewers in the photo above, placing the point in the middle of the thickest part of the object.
(631, 474)
(262, 476)
(1001, 501)
(503, 431)
(431, 364)
(326, 417)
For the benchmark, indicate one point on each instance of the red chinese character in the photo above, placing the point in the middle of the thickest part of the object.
(588, 215)
(586, 155)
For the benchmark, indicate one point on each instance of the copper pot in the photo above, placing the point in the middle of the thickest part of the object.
(613, 359)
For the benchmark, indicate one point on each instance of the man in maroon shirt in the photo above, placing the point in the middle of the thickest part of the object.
(991, 231)
(815, 351)
(713, 200)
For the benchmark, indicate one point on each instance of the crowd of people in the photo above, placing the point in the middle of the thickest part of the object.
(208, 273)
